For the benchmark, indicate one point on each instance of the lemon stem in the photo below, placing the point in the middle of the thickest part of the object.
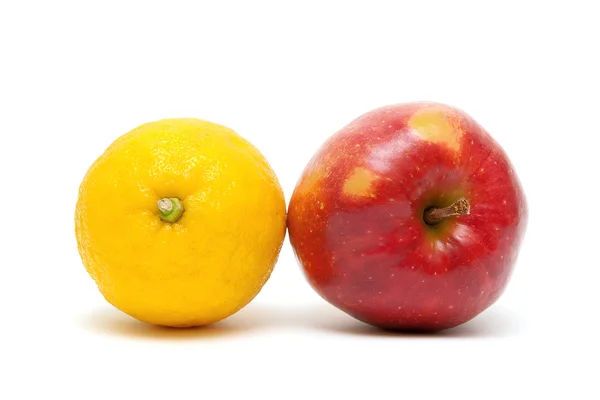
(170, 209)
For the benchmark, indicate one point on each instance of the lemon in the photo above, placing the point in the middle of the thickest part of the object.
(180, 222)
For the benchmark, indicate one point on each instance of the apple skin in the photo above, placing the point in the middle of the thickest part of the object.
(356, 218)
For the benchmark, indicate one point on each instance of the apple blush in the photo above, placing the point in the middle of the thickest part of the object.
(409, 218)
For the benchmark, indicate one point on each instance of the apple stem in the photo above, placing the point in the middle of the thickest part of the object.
(434, 215)
(170, 209)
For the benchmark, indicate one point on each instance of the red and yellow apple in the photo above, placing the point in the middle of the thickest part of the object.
(410, 218)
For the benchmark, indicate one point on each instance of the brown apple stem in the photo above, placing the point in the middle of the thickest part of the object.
(434, 215)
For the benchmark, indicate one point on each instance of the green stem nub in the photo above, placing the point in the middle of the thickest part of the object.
(170, 209)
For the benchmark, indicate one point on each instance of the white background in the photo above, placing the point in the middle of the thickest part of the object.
(75, 76)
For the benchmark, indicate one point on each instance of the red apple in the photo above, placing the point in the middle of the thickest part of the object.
(409, 218)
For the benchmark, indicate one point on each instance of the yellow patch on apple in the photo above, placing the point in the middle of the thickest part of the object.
(359, 183)
(434, 125)
(309, 185)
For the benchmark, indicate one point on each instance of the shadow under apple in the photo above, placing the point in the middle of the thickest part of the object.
(492, 323)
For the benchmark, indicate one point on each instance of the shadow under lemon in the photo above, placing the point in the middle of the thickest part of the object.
(493, 323)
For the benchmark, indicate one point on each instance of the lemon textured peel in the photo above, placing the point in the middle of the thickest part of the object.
(212, 259)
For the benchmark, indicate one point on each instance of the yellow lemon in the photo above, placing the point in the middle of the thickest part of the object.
(180, 222)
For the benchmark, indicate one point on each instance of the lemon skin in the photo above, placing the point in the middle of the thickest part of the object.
(209, 263)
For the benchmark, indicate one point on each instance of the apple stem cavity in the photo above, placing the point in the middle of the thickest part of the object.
(434, 215)
(170, 209)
